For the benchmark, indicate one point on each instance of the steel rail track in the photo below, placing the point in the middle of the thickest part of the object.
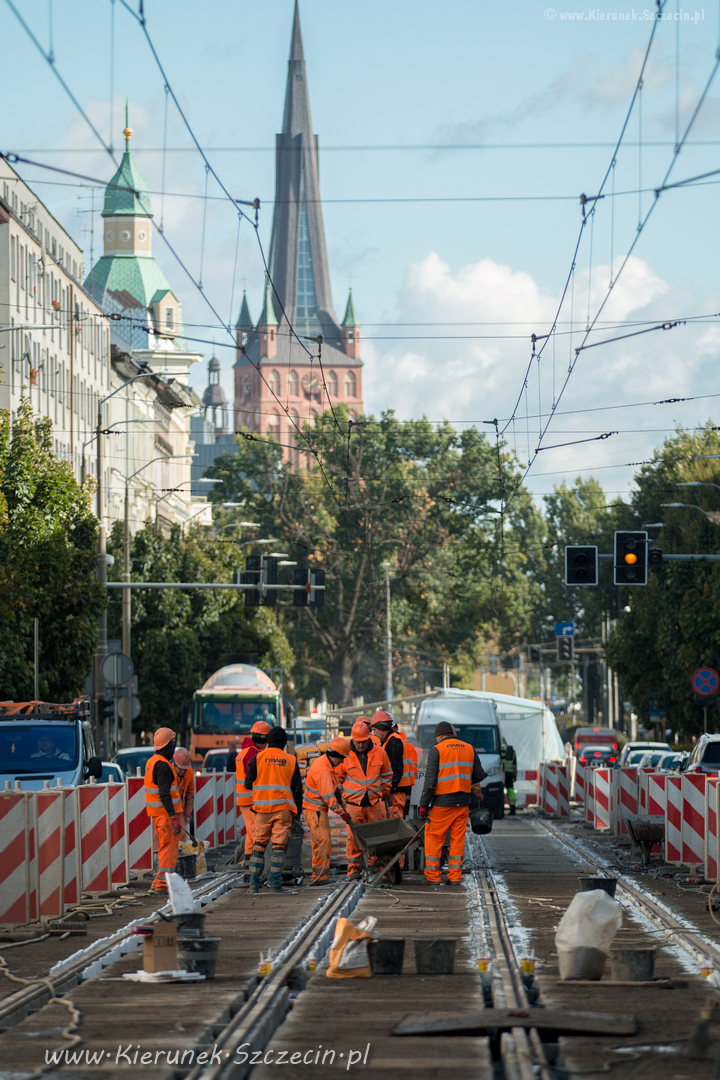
(521, 1050)
(683, 934)
(265, 1009)
(88, 963)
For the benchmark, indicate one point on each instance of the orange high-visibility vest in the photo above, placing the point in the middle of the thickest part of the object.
(320, 784)
(375, 783)
(152, 793)
(410, 767)
(244, 797)
(186, 789)
(457, 759)
(271, 790)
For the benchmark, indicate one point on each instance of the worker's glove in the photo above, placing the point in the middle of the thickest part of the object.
(344, 817)
(175, 822)
(423, 811)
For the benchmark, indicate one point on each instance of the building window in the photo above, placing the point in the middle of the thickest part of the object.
(332, 384)
(293, 383)
(274, 427)
(350, 384)
(13, 258)
(243, 337)
(274, 382)
(169, 324)
(306, 305)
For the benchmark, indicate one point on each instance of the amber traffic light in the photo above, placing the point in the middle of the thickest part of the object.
(630, 562)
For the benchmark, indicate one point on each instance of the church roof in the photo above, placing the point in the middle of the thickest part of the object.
(214, 396)
(214, 364)
(267, 315)
(127, 193)
(298, 255)
(350, 319)
(244, 321)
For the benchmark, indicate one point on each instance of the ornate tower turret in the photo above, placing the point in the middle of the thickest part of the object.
(268, 325)
(351, 330)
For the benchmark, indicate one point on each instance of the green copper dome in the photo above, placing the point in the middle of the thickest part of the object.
(127, 193)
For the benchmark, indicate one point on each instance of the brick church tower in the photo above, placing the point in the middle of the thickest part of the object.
(299, 270)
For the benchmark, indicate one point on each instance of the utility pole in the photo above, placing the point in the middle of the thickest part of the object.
(388, 637)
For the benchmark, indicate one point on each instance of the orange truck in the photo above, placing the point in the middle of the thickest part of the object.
(227, 706)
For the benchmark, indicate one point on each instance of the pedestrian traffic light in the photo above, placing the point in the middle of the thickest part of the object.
(631, 558)
(260, 570)
(581, 565)
(534, 654)
(565, 649)
(309, 594)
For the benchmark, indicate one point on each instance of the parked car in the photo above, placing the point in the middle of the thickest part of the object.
(595, 737)
(673, 762)
(215, 760)
(651, 759)
(597, 757)
(111, 774)
(631, 747)
(134, 758)
(705, 756)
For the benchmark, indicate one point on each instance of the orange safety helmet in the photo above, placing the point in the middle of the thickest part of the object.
(339, 745)
(162, 737)
(381, 715)
(260, 728)
(182, 759)
(360, 731)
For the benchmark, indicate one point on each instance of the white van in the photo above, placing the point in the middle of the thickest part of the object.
(475, 722)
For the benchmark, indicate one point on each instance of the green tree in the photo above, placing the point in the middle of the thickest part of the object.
(179, 636)
(48, 560)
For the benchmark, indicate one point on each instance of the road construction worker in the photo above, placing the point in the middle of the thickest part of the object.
(273, 777)
(509, 764)
(163, 804)
(366, 776)
(251, 746)
(182, 764)
(231, 762)
(320, 797)
(452, 774)
(410, 769)
(382, 726)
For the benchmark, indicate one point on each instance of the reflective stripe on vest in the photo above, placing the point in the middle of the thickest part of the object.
(357, 784)
(153, 804)
(244, 797)
(410, 769)
(456, 765)
(271, 790)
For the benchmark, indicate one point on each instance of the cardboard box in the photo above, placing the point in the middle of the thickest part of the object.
(160, 950)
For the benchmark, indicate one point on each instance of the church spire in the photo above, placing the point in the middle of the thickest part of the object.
(298, 255)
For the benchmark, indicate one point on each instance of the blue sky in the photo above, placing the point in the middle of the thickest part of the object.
(513, 96)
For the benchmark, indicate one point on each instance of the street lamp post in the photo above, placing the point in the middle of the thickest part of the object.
(691, 506)
(388, 637)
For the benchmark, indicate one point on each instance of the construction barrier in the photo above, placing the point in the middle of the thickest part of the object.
(656, 794)
(589, 803)
(17, 858)
(603, 799)
(553, 790)
(49, 838)
(642, 776)
(205, 828)
(578, 787)
(230, 808)
(693, 792)
(139, 829)
(625, 798)
(711, 829)
(219, 809)
(673, 819)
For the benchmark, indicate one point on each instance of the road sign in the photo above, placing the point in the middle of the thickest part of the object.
(705, 682)
(129, 707)
(116, 668)
(564, 629)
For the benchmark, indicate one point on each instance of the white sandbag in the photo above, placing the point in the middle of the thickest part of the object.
(592, 921)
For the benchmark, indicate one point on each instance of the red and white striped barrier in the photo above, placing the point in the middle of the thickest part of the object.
(230, 808)
(94, 847)
(711, 829)
(642, 776)
(72, 886)
(603, 799)
(18, 896)
(673, 819)
(139, 827)
(625, 798)
(49, 837)
(219, 808)
(692, 790)
(205, 809)
(581, 773)
(117, 833)
(553, 790)
(656, 794)
(589, 803)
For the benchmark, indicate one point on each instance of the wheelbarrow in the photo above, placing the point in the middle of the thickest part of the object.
(644, 832)
(386, 841)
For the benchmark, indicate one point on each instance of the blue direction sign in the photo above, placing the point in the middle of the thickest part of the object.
(706, 682)
(564, 629)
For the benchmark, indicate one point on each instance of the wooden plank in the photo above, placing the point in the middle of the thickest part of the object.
(560, 1020)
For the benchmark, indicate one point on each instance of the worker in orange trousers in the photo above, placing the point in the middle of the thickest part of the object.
(182, 764)
(321, 784)
(452, 775)
(274, 779)
(366, 776)
(163, 804)
(252, 745)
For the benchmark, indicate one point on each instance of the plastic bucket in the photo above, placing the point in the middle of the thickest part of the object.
(481, 821)
(632, 965)
(436, 957)
(608, 884)
(582, 963)
(198, 954)
(387, 956)
(191, 924)
(186, 866)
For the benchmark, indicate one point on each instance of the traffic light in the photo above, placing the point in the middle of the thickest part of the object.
(655, 559)
(581, 565)
(631, 558)
(260, 570)
(534, 654)
(106, 708)
(565, 649)
(308, 595)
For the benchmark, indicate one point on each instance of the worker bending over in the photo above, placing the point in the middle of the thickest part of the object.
(321, 784)
(252, 744)
(163, 805)
(273, 777)
(182, 764)
(366, 776)
(452, 774)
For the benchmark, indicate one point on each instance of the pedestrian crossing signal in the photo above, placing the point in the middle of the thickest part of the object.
(581, 565)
